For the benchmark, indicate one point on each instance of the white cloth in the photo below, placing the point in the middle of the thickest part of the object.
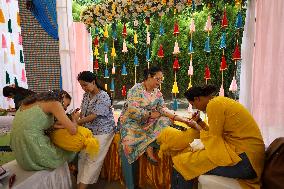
(197, 145)
(6, 121)
(217, 182)
(89, 169)
(53, 179)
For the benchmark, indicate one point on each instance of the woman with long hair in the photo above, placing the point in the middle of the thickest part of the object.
(97, 115)
(17, 94)
(32, 148)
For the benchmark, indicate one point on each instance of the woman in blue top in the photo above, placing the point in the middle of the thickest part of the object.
(97, 115)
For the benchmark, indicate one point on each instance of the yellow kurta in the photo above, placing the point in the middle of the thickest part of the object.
(232, 131)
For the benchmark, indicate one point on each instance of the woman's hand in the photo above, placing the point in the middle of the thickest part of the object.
(75, 116)
(155, 114)
(57, 125)
(191, 123)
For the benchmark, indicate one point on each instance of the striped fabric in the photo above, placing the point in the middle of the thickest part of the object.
(41, 53)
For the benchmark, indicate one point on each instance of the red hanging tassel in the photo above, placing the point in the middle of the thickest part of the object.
(237, 53)
(224, 22)
(176, 65)
(96, 41)
(96, 64)
(123, 91)
(223, 65)
(207, 73)
(147, 20)
(161, 52)
(176, 29)
(124, 31)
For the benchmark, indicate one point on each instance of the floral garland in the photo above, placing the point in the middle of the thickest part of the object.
(113, 10)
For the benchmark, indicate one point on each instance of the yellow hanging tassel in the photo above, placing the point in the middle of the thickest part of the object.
(105, 86)
(106, 32)
(12, 49)
(2, 18)
(113, 53)
(189, 85)
(175, 88)
(18, 19)
(135, 38)
(96, 52)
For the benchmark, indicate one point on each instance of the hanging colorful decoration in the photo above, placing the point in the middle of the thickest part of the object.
(4, 42)
(176, 65)
(135, 41)
(7, 78)
(207, 49)
(223, 65)
(148, 41)
(96, 52)
(2, 18)
(106, 72)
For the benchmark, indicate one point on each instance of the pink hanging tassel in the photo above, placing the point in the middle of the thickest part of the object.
(20, 39)
(221, 92)
(8, 1)
(23, 78)
(4, 43)
(234, 85)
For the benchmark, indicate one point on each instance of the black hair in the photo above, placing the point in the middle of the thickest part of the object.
(12, 91)
(89, 77)
(56, 95)
(151, 71)
(198, 91)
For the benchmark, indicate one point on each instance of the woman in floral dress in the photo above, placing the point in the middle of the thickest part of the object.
(142, 119)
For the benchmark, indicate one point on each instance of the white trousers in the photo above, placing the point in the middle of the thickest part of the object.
(89, 168)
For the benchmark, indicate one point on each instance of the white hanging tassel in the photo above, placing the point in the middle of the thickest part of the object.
(176, 48)
(221, 92)
(148, 38)
(124, 47)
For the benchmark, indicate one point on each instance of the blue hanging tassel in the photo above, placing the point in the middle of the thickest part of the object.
(136, 63)
(190, 48)
(112, 85)
(7, 78)
(106, 73)
(207, 45)
(105, 48)
(21, 56)
(96, 31)
(123, 71)
(162, 30)
(193, 5)
(114, 35)
(60, 81)
(148, 54)
(223, 41)
(10, 26)
(239, 21)
(175, 104)
(16, 82)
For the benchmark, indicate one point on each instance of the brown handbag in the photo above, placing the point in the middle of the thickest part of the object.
(273, 172)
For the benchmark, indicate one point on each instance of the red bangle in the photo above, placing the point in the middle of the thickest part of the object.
(173, 119)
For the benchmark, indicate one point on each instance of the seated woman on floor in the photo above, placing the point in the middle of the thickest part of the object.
(232, 147)
(32, 148)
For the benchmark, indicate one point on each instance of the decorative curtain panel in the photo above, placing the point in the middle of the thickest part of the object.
(262, 81)
(45, 12)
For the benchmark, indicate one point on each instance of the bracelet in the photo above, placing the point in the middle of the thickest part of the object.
(173, 119)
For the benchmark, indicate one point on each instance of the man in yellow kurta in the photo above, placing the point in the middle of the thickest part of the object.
(233, 145)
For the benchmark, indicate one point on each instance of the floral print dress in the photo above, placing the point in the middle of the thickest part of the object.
(137, 131)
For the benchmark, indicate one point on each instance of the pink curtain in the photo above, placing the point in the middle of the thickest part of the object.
(267, 80)
(81, 59)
